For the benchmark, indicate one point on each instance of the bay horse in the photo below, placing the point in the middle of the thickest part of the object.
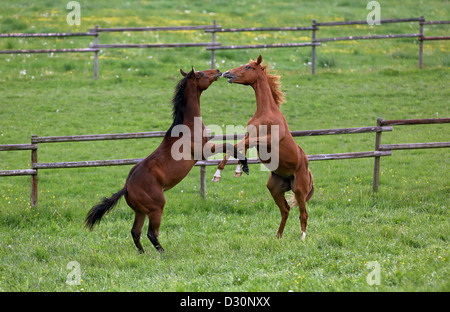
(292, 172)
(161, 170)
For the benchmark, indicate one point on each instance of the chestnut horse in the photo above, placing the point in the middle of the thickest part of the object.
(292, 172)
(160, 171)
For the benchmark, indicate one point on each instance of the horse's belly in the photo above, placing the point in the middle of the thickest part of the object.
(285, 170)
(283, 161)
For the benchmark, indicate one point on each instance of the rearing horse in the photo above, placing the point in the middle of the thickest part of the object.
(292, 172)
(160, 171)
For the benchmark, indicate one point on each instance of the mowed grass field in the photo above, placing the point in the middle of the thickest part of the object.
(225, 242)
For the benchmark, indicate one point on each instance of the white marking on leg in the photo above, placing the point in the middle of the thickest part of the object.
(216, 176)
(303, 235)
(238, 172)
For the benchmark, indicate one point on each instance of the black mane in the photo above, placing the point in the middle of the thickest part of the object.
(179, 104)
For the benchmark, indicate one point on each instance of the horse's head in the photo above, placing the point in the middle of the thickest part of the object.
(246, 74)
(202, 78)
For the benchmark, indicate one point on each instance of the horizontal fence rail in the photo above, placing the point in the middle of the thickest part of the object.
(436, 38)
(17, 147)
(98, 137)
(35, 35)
(391, 147)
(382, 21)
(400, 122)
(32, 51)
(435, 22)
(218, 29)
(367, 37)
(10, 173)
(166, 28)
(340, 131)
(83, 164)
(156, 45)
(264, 46)
(318, 157)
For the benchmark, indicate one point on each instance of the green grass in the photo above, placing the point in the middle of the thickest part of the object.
(225, 242)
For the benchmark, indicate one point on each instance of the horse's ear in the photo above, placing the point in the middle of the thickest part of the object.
(183, 73)
(192, 72)
(259, 60)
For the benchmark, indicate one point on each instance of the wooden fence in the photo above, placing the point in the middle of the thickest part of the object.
(405, 146)
(215, 46)
(379, 151)
(58, 35)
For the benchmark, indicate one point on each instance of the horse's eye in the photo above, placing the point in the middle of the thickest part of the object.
(247, 67)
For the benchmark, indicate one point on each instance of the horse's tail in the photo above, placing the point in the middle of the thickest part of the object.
(97, 212)
(311, 186)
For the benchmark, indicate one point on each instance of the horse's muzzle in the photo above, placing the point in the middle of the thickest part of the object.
(217, 76)
(229, 75)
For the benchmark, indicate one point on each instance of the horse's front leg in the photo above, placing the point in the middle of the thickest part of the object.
(212, 149)
(220, 167)
(240, 146)
(243, 148)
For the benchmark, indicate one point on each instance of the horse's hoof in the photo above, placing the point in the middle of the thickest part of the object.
(245, 169)
(215, 179)
(237, 174)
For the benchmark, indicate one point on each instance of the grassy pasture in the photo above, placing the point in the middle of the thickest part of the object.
(225, 242)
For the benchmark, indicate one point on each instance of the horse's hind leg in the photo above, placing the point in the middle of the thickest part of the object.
(139, 219)
(301, 201)
(153, 228)
(302, 190)
(148, 203)
(277, 187)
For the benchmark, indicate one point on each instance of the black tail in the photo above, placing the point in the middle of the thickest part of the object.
(97, 212)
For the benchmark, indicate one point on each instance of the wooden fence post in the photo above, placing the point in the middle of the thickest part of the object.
(313, 52)
(422, 19)
(203, 181)
(213, 40)
(376, 166)
(96, 54)
(34, 177)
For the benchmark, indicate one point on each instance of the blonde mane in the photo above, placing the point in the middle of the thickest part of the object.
(275, 85)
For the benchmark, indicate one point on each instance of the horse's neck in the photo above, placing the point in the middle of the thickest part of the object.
(192, 108)
(265, 102)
